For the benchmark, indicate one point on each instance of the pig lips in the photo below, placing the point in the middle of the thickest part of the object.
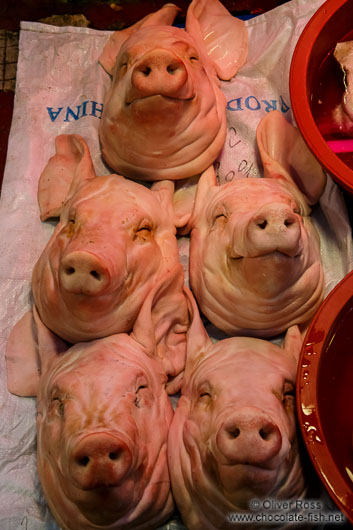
(157, 104)
(253, 479)
(269, 274)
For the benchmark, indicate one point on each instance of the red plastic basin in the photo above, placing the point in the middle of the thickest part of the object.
(325, 394)
(332, 22)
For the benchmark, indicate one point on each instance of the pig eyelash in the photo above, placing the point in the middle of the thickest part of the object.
(59, 405)
(146, 227)
(220, 219)
(288, 394)
(143, 233)
(204, 393)
(137, 398)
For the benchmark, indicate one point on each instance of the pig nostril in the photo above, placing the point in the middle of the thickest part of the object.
(171, 69)
(262, 224)
(113, 455)
(69, 270)
(95, 275)
(234, 433)
(83, 461)
(265, 432)
(288, 222)
(146, 71)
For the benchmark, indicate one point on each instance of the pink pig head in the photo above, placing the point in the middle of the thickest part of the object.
(102, 423)
(164, 114)
(114, 240)
(165, 310)
(255, 266)
(233, 435)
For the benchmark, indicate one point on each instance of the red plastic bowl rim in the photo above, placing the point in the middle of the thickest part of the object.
(300, 99)
(314, 346)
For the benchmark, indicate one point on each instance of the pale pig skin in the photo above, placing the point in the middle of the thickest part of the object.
(164, 114)
(114, 239)
(233, 435)
(103, 419)
(255, 266)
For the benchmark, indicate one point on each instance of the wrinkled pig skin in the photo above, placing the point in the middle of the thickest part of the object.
(164, 114)
(114, 240)
(103, 418)
(255, 266)
(103, 415)
(233, 437)
(343, 113)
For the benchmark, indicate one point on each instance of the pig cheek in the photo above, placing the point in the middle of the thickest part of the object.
(45, 279)
(50, 444)
(145, 251)
(202, 416)
(311, 241)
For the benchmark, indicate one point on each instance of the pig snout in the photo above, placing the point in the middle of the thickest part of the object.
(248, 436)
(275, 227)
(99, 460)
(159, 72)
(81, 272)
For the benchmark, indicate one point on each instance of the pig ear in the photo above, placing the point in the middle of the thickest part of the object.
(162, 324)
(190, 193)
(164, 16)
(165, 188)
(285, 155)
(198, 340)
(29, 349)
(71, 163)
(225, 37)
(293, 341)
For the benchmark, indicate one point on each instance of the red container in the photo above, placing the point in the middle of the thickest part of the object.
(332, 22)
(325, 394)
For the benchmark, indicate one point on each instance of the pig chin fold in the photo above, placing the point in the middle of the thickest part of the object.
(260, 300)
(157, 156)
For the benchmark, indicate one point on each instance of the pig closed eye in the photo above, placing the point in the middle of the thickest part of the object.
(58, 406)
(138, 401)
(288, 395)
(143, 234)
(205, 394)
(220, 220)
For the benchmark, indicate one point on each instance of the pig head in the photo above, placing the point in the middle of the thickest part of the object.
(233, 435)
(164, 114)
(255, 265)
(115, 239)
(103, 415)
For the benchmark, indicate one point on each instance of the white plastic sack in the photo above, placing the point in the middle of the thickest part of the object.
(60, 88)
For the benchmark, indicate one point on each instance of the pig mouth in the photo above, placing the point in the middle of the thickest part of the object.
(158, 98)
(274, 255)
(256, 478)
